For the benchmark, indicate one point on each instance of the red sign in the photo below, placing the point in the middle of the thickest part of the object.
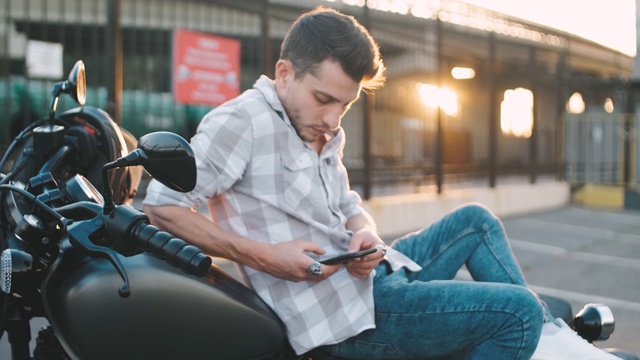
(206, 68)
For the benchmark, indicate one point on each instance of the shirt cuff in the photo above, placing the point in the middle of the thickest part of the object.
(399, 260)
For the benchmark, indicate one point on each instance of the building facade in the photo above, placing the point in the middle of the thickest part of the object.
(472, 95)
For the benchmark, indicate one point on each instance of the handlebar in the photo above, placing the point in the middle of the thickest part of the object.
(124, 230)
(174, 250)
(127, 231)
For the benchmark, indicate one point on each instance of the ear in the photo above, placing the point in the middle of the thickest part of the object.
(284, 73)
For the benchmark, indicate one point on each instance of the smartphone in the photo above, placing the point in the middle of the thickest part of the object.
(345, 257)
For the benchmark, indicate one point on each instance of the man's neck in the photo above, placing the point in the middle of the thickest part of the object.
(318, 144)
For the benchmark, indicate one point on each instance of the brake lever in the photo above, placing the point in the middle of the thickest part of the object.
(80, 234)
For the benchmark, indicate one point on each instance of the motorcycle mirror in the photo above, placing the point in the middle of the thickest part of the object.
(169, 159)
(166, 156)
(75, 85)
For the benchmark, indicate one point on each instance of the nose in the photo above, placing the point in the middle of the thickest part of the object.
(332, 117)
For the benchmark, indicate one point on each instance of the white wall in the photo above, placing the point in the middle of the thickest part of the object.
(400, 214)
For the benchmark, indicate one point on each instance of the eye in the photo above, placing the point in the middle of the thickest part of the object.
(322, 100)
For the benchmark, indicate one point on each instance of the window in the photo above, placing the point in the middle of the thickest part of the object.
(516, 112)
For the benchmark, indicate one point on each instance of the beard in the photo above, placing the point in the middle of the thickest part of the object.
(294, 117)
(305, 128)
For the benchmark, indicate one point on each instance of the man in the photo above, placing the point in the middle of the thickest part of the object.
(270, 169)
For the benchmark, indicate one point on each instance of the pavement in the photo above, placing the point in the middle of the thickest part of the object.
(584, 255)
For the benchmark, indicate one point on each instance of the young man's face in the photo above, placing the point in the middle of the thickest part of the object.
(316, 102)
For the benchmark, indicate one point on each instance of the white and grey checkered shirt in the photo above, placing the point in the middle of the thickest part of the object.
(262, 182)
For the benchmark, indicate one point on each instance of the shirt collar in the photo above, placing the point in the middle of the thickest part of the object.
(267, 87)
(335, 145)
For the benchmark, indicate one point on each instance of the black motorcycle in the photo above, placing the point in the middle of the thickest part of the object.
(112, 286)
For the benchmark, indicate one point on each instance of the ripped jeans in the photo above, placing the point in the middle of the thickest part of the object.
(427, 314)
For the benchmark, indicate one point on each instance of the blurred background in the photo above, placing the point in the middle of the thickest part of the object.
(475, 96)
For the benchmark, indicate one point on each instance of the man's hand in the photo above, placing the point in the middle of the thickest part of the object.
(365, 239)
(289, 261)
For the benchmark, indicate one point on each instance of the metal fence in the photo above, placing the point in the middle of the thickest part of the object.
(396, 141)
(84, 29)
(601, 149)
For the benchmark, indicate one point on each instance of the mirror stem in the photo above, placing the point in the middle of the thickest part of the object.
(55, 93)
(136, 157)
(107, 193)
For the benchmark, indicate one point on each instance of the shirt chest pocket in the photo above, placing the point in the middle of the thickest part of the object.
(301, 189)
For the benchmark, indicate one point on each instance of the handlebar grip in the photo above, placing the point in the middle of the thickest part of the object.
(174, 250)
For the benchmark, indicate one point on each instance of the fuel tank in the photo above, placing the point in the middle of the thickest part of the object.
(169, 314)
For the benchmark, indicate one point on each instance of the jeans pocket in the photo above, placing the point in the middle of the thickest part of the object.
(355, 348)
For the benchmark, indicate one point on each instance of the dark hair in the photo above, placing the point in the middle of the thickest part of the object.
(325, 33)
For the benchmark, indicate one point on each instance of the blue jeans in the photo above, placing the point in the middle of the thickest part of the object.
(426, 314)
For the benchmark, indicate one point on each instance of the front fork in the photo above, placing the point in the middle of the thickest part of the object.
(19, 333)
(18, 329)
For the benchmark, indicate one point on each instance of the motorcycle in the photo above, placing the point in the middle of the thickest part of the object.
(111, 285)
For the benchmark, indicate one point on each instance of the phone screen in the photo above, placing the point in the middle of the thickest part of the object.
(345, 257)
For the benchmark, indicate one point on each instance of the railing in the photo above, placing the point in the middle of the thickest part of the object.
(395, 141)
(601, 148)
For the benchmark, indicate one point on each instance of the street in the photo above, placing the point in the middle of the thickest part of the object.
(579, 254)
(585, 256)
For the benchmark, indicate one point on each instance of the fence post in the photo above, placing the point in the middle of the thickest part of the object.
(533, 140)
(493, 111)
(113, 55)
(628, 129)
(560, 125)
(439, 133)
(367, 181)
(267, 47)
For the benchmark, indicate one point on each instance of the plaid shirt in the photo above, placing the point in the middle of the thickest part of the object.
(262, 182)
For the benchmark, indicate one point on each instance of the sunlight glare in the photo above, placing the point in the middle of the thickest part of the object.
(445, 98)
(612, 24)
(516, 112)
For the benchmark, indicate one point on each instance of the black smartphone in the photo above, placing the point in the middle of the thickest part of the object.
(342, 258)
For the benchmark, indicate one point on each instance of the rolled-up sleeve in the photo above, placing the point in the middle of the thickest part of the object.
(222, 148)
